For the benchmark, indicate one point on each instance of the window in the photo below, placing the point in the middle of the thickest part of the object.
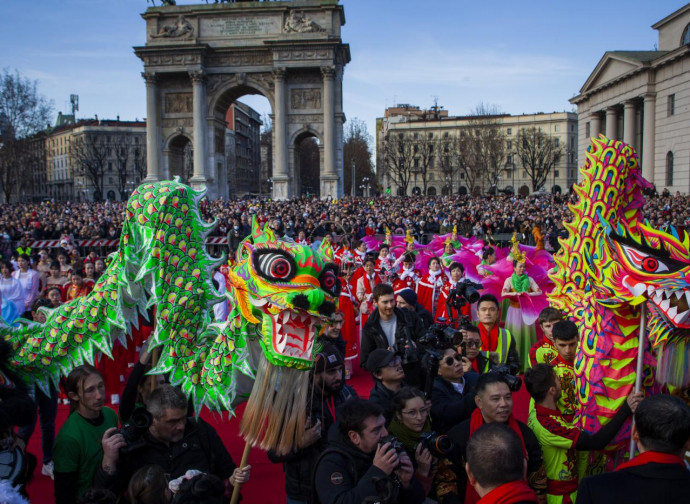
(445, 134)
(685, 39)
(587, 130)
(416, 136)
(557, 142)
(509, 159)
(431, 135)
(524, 174)
(510, 131)
(671, 105)
(110, 166)
(431, 176)
(556, 127)
(510, 144)
(556, 174)
(572, 128)
(669, 168)
(416, 162)
(462, 176)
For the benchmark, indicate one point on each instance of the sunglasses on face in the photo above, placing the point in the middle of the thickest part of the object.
(449, 360)
(471, 344)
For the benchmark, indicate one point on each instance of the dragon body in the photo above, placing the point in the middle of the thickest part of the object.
(280, 293)
(611, 263)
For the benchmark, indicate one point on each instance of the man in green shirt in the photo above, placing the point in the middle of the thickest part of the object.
(559, 438)
(78, 450)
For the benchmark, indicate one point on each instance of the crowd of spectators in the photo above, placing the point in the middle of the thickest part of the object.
(423, 215)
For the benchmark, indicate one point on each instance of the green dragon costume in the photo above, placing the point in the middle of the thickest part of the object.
(611, 262)
(281, 294)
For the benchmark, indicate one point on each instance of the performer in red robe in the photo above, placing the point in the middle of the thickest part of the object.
(457, 271)
(430, 285)
(365, 288)
(408, 276)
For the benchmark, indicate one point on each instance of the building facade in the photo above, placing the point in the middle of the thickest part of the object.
(243, 150)
(94, 160)
(434, 130)
(643, 99)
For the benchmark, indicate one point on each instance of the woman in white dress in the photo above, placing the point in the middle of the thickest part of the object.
(12, 294)
(29, 280)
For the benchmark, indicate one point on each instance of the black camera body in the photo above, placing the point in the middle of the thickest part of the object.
(439, 445)
(134, 428)
(441, 335)
(396, 444)
(465, 291)
(509, 373)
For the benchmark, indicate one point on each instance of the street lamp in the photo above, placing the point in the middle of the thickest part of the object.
(365, 186)
(269, 180)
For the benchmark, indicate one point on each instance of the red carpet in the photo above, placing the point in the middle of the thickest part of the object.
(267, 484)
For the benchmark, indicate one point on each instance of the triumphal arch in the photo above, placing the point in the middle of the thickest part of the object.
(198, 59)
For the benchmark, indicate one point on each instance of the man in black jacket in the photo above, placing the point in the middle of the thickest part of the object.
(452, 397)
(388, 374)
(357, 467)
(393, 329)
(173, 441)
(327, 395)
(658, 473)
(495, 404)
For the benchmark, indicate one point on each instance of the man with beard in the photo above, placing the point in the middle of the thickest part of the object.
(172, 441)
(495, 404)
(326, 395)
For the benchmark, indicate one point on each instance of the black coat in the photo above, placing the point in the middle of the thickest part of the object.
(382, 396)
(299, 466)
(409, 327)
(346, 475)
(460, 435)
(201, 448)
(449, 407)
(652, 482)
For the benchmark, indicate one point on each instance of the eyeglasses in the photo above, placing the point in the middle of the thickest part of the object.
(449, 360)
(416, 413)
(471, 344)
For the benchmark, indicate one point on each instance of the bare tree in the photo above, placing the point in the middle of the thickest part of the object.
(123, 149)
(467, 161)
(425, 151)
(538, 154)
(488, 142)
(23, 112)
(89, 155)
(398, 160)
(139, 161)
(450, 160)
(357, 154)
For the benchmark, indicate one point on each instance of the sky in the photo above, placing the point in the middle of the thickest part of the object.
(521, 56)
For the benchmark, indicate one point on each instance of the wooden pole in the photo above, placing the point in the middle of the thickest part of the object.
(243, 463)
(640, 362)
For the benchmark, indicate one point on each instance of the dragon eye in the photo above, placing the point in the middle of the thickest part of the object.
(644, 262)
(330, 282)
(275, 265)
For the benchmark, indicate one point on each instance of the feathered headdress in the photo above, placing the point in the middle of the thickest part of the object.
(515, 249)
(408, 236)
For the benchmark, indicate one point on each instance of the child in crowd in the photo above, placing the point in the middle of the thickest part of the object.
(544, 351)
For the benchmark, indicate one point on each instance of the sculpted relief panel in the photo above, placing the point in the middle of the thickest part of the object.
(178, 103)
(305, 99)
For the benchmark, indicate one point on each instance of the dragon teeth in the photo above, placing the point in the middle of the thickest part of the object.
(678, 293)
(657, 298)
(665, 304)
(681, 317)
(650, 290)
(672, 312)
(638, 290)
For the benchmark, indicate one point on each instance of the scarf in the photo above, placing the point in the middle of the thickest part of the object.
(407, 436)
(408, 273)
(651, 457)
(520, 282)
(476, 421)
(489, 338)
(509, 493)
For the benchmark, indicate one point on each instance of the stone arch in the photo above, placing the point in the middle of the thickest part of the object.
(431, 191)
(177, 156)
(523, 191)
(228, 51)
(304, 183)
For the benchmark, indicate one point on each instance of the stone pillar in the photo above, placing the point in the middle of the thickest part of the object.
(281, 180)
(198, 180)
(629, 123)
(648, 136)
(153, 141)
(594, 126)
(329, 178)
(611, 123)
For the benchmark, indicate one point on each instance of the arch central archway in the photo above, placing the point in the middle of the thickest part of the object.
(293, 56)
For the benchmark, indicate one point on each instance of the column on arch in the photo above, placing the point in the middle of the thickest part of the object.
(648, 136)
(611, 123)
(629, 123)
(329, 177)
(153, 141)
(199, 117)
(280, 167)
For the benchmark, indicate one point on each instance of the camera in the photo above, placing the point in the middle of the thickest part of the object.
(509, 372)
(395, 443)
(134, 428)
(441, 335)
(465, 291)
(439, 445)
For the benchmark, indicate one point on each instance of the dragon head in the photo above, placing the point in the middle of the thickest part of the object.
(287, 288)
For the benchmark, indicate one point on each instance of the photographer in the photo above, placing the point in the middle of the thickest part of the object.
(407, 300)
(494, 401)
(387, 371)
(457, 272)
(172, 441)
(359, 466)
(394, 329)
(327, 394)
(452, 397)
(472, 357)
